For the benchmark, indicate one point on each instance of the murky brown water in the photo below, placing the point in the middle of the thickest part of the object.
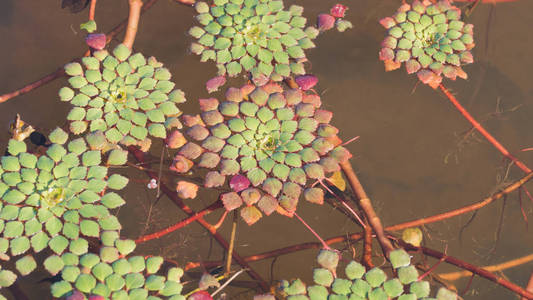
(405, 137)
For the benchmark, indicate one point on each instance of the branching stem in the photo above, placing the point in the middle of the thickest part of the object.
(60, 71)
(482, 130)
(216, 205)
(474, 269)
(366, 206)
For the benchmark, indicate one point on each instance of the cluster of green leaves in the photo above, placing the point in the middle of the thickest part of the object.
(277, 138)
(257, 36)
(113, 275)
(55, 201)
(430, 38)
(361, 284)
(123, 95)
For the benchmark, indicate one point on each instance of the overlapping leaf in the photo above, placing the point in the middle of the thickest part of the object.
(430, 39)
(112, 274)
(361, 284)
(258, 36)
(123, 95)
(57, 200)
(271, 142)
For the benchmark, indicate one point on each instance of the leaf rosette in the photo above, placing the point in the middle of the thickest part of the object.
(430, 39)
(271, 141)
(57, 200)
(112, 274)
(256, 36)
(124, 95)
(361, 284)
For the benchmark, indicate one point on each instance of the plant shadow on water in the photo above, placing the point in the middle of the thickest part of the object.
(400, 156)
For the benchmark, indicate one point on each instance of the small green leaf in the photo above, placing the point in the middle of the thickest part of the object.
(89, 26)
(15, 147)
(7, 278)
(112, 200)
(407, 274)
(60, 289)
(322, 277)
(79, 246)
(85, 283)
(25, 265)
(399, 258)
(39, 241)
(89, 228)
(109, 254)
(137, 264)
(153, 264)
(117, 157)
(154, 283)
(125, 247)
(122, 52)
(101, 271)
(115, 282)
(54, 264)
(117, 182)
(19, 245)
(70, 273)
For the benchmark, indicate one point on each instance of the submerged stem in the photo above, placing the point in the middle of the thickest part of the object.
(482, 130)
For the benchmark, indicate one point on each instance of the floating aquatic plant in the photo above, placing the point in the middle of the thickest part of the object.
(430, 39)
(361, 284)
(112, 274)
(57, 200)
(269, 140)
(124, 95)
(334, 19)
(258, 36)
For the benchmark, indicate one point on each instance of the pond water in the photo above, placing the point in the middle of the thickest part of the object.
(412, 155)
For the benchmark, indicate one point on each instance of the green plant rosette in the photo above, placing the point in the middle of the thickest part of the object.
(280, 140)
(57, 200)
(256, 36)
(430, 39)
(361, 284)
(123, 95)
(112, 274)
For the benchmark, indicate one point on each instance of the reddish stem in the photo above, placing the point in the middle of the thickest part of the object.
(139, 155)
(324, 245)
(133, 22)
(366, 206)
(529, 286)
(474, 269)
(367, 247)
(357, 236)
(180, 224)
(60, 72)
(456, 212)
(482, 130)
(92, 9)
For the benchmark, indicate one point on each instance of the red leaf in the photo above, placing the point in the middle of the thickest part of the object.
(325, 22)
(96, 40)
(338, 10)
(239, 183)
(200, 295)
